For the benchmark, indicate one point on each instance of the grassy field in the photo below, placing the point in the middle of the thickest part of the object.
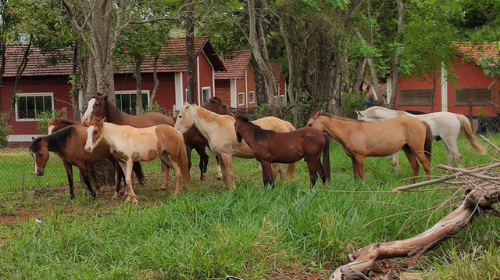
(208, 232)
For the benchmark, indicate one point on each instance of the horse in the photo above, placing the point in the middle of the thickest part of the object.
(101, 106)
(195, 140)
(68, 143)
(269, 147)
(361, 139)
(444, 125)
(129, 144)
(219, 131)
(58, 123)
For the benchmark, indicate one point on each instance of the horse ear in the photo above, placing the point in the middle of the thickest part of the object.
(358, 112)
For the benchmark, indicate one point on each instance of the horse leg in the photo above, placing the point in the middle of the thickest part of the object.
(69, 174)
(355, 169)
(267, 173)
(394, 160)
(166, 176)
(203, 163)
(321, 171)
(360, 163)
(227, 160)
(278, 170)
(452, 152)
(93, 175)
(425, 164)
(220, 176)
(413, 162)
(167, 160)
(127, 167)
(86, 180)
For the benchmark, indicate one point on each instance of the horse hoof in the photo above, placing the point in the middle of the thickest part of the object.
(115, 196)
(163, 188)
(219, 178)
(177, 193)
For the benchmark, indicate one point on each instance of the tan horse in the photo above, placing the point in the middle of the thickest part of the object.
(219, 130)
(365, 139)
(129, 144)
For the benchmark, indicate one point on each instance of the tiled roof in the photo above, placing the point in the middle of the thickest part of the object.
(236, 66)
(172, 59)
(476, 51)
(276, 68)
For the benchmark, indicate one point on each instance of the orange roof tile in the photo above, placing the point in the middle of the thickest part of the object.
(236, 66)
(276, 68)
(172, 59)
(476, 51)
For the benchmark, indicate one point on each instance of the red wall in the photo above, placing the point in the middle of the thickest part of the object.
(251, 86)
(206, 77)
(468, 75)
(223, 90)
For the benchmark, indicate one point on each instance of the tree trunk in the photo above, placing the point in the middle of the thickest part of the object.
(397, 56)
(138, 82)
(358, 78)
(373, 73)
(19, 74)
(190, 53)
(76, 85)
(291, 74)
(257, 44)
(156, 84)
(260, 84)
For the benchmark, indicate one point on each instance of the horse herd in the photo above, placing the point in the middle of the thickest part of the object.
(127, 140)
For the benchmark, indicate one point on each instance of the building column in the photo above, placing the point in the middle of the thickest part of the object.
(444, 88)
(179, 96)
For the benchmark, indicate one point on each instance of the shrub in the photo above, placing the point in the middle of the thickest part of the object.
(352, 103)
(44, 118)
(4, 130)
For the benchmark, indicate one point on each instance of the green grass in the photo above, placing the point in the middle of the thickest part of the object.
(209, 231)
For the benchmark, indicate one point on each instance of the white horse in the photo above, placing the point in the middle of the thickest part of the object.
(444, 125)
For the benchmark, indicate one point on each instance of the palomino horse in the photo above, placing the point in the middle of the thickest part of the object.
(444, 125)
(269, 147)
(219, 130)
(68, 143)
(361, 139)
(195, 140)
(101, 106)
(129, 144)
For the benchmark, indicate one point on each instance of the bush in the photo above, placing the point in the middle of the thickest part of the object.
(44, 118)
(352, 103)
(4, 130)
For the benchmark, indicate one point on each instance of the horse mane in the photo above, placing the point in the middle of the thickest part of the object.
(113, 114)
(207, 114)
(54, 141)
(328, 115)
(61, 120)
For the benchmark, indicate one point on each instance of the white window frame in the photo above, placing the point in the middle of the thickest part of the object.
(51, 94)
(209, 94)
(133, 92)
(242, 94)
(253, 95)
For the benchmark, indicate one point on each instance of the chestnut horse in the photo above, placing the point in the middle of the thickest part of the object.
(195, 140)
(58, 123)
(68, 143)
(269, 147)
(129, 144)
(361, 139)
(219, 130)
(444, 125)
(101, 106)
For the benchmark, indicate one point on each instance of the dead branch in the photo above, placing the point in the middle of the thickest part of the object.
(362, 259)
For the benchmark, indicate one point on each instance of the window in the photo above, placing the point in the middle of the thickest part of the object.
(282, 97)
(205, 95)
(478, 96)
(241, 98)
(415, 96)
(251, 97)
(125, 101)
(30, 105)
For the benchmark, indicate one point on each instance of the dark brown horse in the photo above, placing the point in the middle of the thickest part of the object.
(68, 143)
(195, 140)
(101, 106)
(270, 146)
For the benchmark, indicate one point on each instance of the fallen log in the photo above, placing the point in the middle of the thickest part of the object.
(475, 201)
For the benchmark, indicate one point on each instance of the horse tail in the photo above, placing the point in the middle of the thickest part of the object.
(183, 162)
(428, 141)
(466, 129)
(290, 126)
(137, 168)
(326, 158)
(290, 171)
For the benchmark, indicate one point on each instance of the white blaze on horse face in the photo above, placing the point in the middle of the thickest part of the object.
(51, 128)
(34, 158)
(88, 112)
(89, 144)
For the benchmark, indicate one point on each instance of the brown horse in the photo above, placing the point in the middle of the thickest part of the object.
(195, 140)
(68, 143)
(361, 139)
(101, 106)
(129, 144)
(269, 146)
(58, 123)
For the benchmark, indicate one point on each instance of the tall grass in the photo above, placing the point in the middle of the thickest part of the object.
(208, 231)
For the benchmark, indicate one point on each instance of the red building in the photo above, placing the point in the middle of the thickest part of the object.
(236, 86)
(452, 92)
(45, 87)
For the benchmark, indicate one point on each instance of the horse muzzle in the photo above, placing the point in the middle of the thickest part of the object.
(39, 172)
(89, 149)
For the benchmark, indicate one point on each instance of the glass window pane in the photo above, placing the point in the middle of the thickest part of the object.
(119, 101)
(47, 103)
(30, 107)
(132, 104)
(21, 108)
(144, 101)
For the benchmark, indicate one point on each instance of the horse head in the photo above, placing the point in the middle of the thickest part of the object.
(216, 105)
(185, 118)
(40, 153)
(96, 107)
(315, 121)
(94, 134)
